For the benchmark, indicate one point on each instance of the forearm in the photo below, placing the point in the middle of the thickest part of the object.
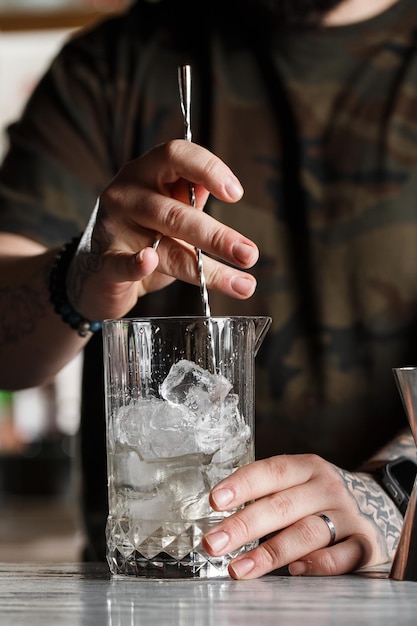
(34, 341)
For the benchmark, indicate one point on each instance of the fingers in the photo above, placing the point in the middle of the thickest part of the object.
(276, 488)
(146, 262)
(121, 267)
(304, 545)
(290, 537)
(203, 231)
(180, 159)
(343, 557)
(148, 212)
(262, 478)
(149, 195)
(304, 509)
(306, 539)
(285, 493)
(175, 260)
(179, 261)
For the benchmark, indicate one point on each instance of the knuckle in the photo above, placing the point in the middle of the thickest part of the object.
(315, 460)
(172, 149)
(212, 166)
(246, 484)
(281, 505)
(215, 278)
(277, 468)
(327, 471)
(174, 219)
(327, 563)
(309, 534)
(217, 238)
(240, 525)
(113, 195)
(181, 262)
(270, 554)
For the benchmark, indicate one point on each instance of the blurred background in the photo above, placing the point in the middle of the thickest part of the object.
(39, 519)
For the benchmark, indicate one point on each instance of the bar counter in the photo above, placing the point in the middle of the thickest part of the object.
(86, 595)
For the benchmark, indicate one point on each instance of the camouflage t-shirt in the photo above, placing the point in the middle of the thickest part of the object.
(321, 128)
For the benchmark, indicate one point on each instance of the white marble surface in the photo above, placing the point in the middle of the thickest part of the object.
(85, 595)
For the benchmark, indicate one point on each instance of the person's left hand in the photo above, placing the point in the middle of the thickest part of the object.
(287, 495)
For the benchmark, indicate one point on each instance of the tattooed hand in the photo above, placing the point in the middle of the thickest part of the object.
(315, 518)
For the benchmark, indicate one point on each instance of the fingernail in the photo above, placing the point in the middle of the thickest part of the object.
(217, 540)
(297, 568)
(242, 567)
(222, 497)
(243, 286)
(234, 188)
(244, 253)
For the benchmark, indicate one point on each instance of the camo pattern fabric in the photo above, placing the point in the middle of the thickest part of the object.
(321, 128)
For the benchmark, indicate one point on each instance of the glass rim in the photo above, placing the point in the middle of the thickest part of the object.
(185, 318)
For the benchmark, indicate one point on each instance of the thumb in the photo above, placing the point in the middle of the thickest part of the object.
(122, 267)
(144, 263)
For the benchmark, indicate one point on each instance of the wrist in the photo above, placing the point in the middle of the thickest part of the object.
(396, 477)
(58, 293)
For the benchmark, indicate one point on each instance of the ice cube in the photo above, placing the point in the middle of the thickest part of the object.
(188, 490)
(157, 429)
(223, 428)
(197, 413)
(193, 387)
(133, 473)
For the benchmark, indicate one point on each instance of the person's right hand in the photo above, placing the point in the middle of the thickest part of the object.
(116, 264)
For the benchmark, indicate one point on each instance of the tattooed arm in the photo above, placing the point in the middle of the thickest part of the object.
(372, 501)
(34, 343)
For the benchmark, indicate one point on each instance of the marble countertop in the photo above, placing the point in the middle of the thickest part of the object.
(86, 595)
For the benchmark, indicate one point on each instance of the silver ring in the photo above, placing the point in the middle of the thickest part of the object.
(330, 526)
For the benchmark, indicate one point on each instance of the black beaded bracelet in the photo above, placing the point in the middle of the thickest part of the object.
(58, 293)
